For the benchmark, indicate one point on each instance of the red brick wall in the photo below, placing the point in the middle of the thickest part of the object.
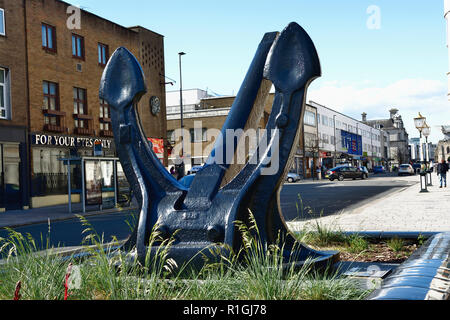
(60, 67)
(12, 57)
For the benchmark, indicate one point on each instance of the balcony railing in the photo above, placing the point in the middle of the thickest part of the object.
(84, 131)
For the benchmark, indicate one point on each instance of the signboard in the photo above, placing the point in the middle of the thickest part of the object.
(352, 143)
(158, 147)
(325, 154)
(68, 141)
(93, 182)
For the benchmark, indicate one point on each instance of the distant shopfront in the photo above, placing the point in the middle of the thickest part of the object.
(49, 178)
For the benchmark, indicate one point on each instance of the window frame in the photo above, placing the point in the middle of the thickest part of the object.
(54, 43)
(52, 96)
(100, 47)
(309, 115)
(3, 23)
(82, 45)
(49, 97)
(5, 97)
(194, 132)
(77, 100)
(104, 123)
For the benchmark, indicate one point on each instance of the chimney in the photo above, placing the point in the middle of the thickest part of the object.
(393, 112)
(364, 117)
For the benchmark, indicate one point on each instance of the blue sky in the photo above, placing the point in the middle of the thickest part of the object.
(402, 64)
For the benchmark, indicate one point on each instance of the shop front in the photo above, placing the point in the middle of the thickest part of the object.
(49, 176)
(326, 159)
(13, 168)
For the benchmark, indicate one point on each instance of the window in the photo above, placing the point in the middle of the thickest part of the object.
(80, 107)
(104, 114)
(50, 102)
(103, 54)
(48, 37)
(77, 46)
(324, 120)
(2, 22)
(4, 94)
(310, 118)
(198, 134)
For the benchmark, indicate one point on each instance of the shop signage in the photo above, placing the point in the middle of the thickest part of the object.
(158, 147)
(352, 143)
(68, 141)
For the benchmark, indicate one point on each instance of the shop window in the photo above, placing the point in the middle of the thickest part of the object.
(48, 37)
(10, 194)
(77, 46)
(49, 173)
(103, 54)
(2, 22)
(4, 94)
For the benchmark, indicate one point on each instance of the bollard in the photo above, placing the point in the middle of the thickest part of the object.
(423, 182)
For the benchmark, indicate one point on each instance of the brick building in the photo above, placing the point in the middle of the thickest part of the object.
(54, 56)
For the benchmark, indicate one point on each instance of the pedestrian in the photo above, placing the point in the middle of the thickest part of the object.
(442, 170)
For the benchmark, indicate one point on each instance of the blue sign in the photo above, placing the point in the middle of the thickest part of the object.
(352, 143)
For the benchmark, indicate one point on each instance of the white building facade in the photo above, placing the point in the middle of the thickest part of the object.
(344, 139)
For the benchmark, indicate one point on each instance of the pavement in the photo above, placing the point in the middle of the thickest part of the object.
(404, 210)
(20, 218)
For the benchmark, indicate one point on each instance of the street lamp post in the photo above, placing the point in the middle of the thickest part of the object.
(420, 122)
(181, 116)
(426, 132)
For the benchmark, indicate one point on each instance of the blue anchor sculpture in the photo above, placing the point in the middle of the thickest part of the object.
(204, 215)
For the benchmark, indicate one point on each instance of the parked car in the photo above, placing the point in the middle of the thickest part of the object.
(345, 172)
(406, 169)
(366, 172)
(292, 177)
(194, 170)
(379, 169)
(187, 180)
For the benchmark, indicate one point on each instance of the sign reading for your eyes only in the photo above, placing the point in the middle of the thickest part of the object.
(68, 141)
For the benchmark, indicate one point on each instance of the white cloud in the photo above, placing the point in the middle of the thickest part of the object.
(410, 96)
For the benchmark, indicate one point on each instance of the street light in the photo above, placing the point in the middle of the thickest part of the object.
(420, 123)
(181, 116)
(426, 133)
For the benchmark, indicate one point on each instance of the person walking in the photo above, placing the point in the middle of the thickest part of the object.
(442, 170)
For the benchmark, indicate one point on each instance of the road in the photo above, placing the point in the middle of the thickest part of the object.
(323, 197)
(69, 233)
(329, 198)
